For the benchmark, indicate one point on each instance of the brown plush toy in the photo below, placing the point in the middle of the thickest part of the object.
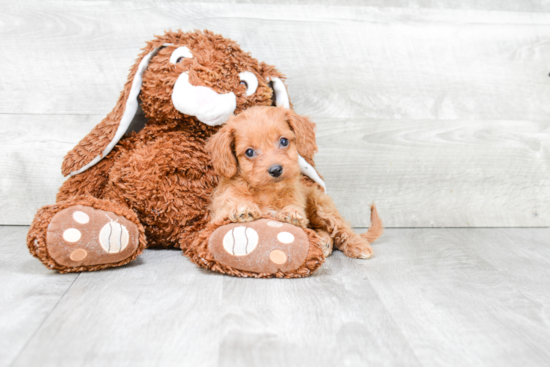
(128, 191)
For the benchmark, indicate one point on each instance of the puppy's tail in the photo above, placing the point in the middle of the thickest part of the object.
(376, 228)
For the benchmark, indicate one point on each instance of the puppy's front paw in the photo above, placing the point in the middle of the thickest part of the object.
(325, 242)
(245, 213)
(293, 215)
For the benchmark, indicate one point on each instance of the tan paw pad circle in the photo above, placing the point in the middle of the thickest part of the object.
(240, 241)
(72, 235)
(278, 257)
(78, 255)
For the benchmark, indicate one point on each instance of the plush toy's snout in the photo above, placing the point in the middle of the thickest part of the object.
(205, 104)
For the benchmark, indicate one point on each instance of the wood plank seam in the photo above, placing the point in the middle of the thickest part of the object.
(42, 322)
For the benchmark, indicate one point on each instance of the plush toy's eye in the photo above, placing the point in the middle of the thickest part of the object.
(180, 54)
(249, 153)
(284, 142)
(250, 81)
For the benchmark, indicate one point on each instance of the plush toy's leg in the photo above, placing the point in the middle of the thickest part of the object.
(91, 182)
(263, 248)
(85, 234)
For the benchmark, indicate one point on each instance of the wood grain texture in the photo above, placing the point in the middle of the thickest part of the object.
(332, 319)
(429, 297)
(158, 310)
(29, 293)
(438, 173)
(457, 306)
(32, 148)
(420, 173)
(437, 112)
(502, 5)
(357, 61)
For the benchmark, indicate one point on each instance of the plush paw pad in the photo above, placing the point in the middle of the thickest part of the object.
(262, 246)
(240, 241)
(82, 235)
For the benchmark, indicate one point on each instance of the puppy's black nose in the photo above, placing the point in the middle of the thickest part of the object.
(276, 170)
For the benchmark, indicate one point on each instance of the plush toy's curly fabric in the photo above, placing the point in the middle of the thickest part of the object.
(163, 172)
(159, 178)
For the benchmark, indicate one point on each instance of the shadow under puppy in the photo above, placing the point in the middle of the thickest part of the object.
(257, 154)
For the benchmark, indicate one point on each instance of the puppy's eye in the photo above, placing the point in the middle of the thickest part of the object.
(249, 153)
(180, 59)
(284, 142)
(243, 82)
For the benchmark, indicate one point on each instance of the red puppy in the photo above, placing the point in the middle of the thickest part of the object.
(257, 155)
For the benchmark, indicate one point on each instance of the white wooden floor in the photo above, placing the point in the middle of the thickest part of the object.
(430, 297)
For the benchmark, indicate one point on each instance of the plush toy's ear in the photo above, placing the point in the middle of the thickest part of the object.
(220, 146)
(304, 129)
(102, 139)
(280, 94)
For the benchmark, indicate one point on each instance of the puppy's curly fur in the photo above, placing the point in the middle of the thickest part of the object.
(256, 154)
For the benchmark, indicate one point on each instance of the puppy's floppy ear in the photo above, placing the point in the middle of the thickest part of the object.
(221, 151)
(102, 139)
(304, 129)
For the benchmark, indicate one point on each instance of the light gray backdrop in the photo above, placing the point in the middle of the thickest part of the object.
(438, 113)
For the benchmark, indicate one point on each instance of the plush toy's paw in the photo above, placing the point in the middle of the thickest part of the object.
(358, 248)
(263, 246)
(293, 215)
(245, 213)
(326, 242)
(84, 236)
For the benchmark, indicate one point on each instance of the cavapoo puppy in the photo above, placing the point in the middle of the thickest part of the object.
(256, 153)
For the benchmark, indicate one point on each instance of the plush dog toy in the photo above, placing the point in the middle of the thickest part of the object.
(132, 190)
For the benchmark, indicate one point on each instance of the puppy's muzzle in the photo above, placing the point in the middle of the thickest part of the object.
(276, 170)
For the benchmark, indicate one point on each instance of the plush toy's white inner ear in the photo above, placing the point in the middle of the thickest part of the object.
(282, 100)
(308, 170)
(250, 81)
(281, 95)
(180, 53)
(130, 110)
